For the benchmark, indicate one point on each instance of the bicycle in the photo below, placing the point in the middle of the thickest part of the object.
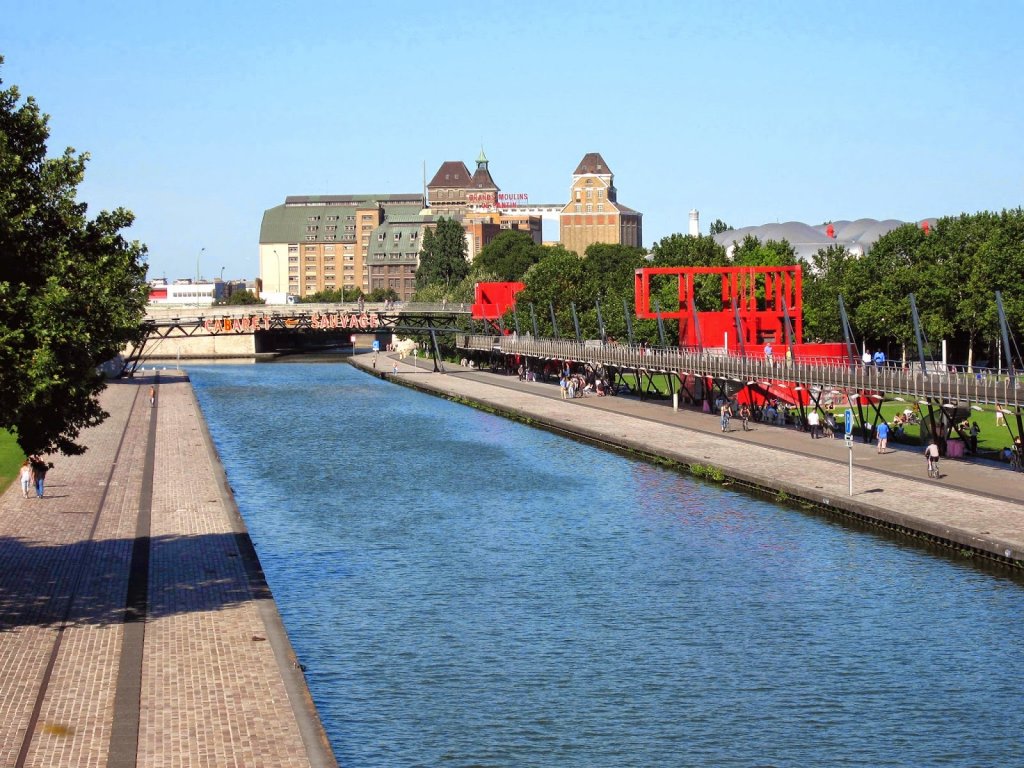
(933, 468)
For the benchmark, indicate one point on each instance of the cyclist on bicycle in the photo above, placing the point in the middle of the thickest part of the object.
(931, 453)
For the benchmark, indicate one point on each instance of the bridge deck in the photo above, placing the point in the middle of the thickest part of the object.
(956, 388)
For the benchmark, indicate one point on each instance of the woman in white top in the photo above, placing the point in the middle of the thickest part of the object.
(26, 477)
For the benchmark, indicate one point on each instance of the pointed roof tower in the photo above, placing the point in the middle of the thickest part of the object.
(593, 164)
(482, 177)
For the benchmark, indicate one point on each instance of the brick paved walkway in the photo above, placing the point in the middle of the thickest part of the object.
(205, 676)
(975, 504)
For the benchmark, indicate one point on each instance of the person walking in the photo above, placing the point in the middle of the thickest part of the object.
(931, 454)
(882, 433)
(769, 353)
(813, 422)
(26, 477)
(726, 414)
(39, 475)
(152, 395)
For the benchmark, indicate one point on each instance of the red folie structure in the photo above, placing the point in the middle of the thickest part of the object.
(492, 300)
(762, 297)
(755, 303)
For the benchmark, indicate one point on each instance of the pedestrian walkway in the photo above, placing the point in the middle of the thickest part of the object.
(975, 505)
(135, 626)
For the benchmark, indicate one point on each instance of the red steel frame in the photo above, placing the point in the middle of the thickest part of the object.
(782, 288)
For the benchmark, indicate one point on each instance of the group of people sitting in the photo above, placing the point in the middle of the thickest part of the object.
(582, 383)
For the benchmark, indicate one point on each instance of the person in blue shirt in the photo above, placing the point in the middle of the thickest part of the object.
(879, 358)
(882, 433)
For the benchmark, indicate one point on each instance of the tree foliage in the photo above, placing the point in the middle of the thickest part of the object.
(718, 226)
(72, 289)
(243, 297)
(508, 256)
(443, 255)
(953, 271)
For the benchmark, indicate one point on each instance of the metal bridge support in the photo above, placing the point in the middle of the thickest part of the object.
(436, 352)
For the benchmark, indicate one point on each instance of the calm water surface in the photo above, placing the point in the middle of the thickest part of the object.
(468, 591)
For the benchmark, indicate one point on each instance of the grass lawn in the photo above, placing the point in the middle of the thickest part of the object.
(11, 458)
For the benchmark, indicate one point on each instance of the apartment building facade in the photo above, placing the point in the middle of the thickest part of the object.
(313, 243)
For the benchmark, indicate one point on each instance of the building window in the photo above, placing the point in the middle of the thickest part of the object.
(312, 218)
(398, 236)
(293, 249)
(332, 218)
(578, 208)
(600, 194)
(600, 207)
(590, 208)
(311, 237)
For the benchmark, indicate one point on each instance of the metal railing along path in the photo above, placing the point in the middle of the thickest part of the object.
(818, 374)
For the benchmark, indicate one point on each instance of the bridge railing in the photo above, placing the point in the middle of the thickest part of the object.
(165, 312)
(817, 374)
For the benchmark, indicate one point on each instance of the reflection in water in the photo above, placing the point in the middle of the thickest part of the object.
(466, 590)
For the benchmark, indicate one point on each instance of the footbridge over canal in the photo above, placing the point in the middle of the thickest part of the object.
(943, 396)
(258, 330)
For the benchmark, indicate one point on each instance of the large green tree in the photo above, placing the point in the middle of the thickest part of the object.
(824, 281)
(555, 281)
(443, 255)
(72, 289)
(507, 257)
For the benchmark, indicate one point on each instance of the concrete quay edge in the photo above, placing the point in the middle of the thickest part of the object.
(989, 525)
(308, 719)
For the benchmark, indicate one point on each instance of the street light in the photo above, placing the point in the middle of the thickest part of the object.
(277, 276)
(222, 274)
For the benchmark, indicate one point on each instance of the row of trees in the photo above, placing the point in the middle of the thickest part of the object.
(953, 270)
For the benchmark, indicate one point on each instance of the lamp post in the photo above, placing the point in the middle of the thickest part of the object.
(277, 276)
(222, 274)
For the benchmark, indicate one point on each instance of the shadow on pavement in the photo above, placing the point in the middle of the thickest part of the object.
(87, 582)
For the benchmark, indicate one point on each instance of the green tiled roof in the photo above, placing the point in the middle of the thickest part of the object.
(382, 250)
(288, 223)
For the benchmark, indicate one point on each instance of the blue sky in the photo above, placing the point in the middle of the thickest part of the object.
(200, 115)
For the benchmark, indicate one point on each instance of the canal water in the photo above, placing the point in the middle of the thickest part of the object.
(468, 591)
